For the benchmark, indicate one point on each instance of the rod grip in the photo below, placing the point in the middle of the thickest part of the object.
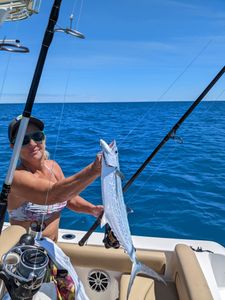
(90, 231)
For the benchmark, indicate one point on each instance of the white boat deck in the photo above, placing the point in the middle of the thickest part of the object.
(211, 260)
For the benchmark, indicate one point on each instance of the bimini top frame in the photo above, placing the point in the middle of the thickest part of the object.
(15, 10)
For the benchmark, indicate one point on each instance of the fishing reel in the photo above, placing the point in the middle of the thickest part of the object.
(110, 240)
(23, 269)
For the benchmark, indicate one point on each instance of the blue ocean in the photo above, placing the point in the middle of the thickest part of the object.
(180, 194)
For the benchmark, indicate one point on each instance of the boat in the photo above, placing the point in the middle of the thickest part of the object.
(192, 269)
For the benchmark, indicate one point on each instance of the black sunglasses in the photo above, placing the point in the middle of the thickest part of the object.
(37, 136)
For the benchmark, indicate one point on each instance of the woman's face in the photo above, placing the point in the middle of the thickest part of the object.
(34, 150)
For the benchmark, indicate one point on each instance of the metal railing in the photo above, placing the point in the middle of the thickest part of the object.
(19, 9)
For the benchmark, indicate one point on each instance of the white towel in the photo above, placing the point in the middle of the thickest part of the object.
(62, 261)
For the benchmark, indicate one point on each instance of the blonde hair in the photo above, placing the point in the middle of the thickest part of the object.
(46, 155)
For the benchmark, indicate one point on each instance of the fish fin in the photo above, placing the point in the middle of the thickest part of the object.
(120, 174)
(150, 272)
(138, 267)
(103, 220)
(129, 210)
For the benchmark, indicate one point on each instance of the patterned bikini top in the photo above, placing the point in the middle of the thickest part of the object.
(29, 211)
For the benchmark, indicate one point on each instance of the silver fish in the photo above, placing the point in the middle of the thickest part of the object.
(115, 213)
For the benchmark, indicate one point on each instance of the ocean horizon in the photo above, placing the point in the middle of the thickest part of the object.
(181, 192)
(107, 102)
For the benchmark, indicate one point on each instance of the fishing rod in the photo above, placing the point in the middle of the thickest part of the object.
(48, 36)
(170, 135)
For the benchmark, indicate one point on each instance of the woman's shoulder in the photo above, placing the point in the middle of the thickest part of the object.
(20, 171)
(21, 177)
(55, 167)
(52, 164)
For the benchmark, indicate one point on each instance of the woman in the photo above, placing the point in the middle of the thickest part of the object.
(40, 190)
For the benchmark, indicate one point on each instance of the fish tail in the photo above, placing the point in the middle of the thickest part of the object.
(134, 271)
(138, 267)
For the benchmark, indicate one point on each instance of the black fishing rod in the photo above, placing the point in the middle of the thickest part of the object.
(49, 33)
(170, 134)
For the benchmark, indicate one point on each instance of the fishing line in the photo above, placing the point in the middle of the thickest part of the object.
(212, 103)
(74, 6)
(165, 159)
(76, 26)
(79, 15)
(59, 126)
(57, 140)
(7, 63)
(166, 91)
(56, 146)
(220, 94)
(210, 106)
(158, 167)
(5, 75)
(72, 15)
(154, 170)
(49, 32)
(160, 97)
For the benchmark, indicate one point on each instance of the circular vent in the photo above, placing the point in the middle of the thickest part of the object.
(98, 280)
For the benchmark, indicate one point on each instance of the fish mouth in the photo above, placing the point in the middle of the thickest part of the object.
(106, 147)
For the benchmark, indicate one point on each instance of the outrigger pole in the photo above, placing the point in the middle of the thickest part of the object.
(170, 135)
(49, 33)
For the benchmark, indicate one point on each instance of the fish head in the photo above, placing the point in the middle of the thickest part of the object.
(110, 153)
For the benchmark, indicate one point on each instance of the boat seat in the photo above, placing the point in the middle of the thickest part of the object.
(111, 259)
(142, 288)
(9, 237)
(188, 276)
(145, 288)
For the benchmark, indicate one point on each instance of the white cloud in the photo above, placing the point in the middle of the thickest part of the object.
(208, 11)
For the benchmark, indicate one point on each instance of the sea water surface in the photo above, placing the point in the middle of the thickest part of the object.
(180, 194)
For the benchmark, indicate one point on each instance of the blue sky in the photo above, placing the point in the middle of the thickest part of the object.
(141, 50)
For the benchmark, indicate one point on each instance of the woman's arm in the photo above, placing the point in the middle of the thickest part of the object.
(79, 204)
(28, 186)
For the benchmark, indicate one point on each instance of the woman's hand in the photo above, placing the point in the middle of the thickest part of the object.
(97, 164)
(97, 210)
